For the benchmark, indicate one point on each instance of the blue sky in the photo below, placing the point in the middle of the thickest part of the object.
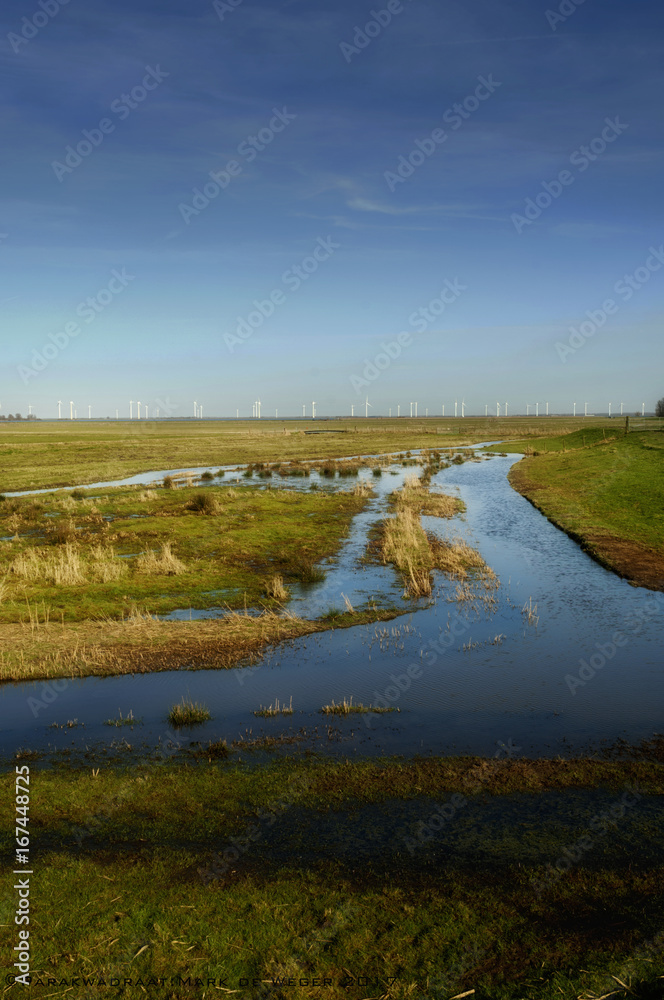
(334, 113)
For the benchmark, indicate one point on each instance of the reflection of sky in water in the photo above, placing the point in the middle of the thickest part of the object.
(462, 701)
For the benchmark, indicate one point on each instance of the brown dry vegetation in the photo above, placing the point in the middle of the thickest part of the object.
(43, 649)
(402, 541)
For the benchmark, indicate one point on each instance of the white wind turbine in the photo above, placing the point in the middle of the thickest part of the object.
(89, 412)
(367, 404)
(71, 409)
(497, 409)
(463, 407)
(131, 409)
(506, 405)
(352, 409)
(455, 407)
(415, 409)
(313, 411)
(59, 409)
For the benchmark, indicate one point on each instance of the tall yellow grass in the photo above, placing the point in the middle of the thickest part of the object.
(275, 588)
(164, 563)
(65, 566)
(406, 545)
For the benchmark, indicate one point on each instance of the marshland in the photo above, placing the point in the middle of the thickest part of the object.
(366, 655)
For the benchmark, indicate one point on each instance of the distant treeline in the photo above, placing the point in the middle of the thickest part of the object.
(17, 416)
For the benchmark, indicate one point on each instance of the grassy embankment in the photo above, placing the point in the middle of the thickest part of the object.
(604, 491)
(64, 453)
(71, 605)
(370, 869)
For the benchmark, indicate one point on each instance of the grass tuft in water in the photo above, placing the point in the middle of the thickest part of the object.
(276, 709)
(188, 713)
(124, 720)
(348, 708)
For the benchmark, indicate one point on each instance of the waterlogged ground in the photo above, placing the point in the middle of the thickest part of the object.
(580, 671)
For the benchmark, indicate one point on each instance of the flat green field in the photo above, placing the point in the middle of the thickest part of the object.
(36, 455)
(606, 492)
(373, 876)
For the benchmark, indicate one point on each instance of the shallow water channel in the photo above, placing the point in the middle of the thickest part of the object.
(481, 677)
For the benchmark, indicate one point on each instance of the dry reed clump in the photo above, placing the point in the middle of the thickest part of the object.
(105, 565)
(61, 533)
(362, 490)
(457, 557)
(63, 568)
(406, 545)
(13, 522)
(275, 589)
(67, 566)
(163, 563)
(67, 503)
(203, 503)
(415, 496)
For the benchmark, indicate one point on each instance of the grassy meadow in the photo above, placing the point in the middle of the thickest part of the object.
(162, 549)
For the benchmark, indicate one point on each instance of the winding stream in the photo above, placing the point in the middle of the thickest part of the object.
(511, 683)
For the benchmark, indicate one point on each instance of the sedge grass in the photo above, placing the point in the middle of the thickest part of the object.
(188, 713)
(346, 707)
(276, 709)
